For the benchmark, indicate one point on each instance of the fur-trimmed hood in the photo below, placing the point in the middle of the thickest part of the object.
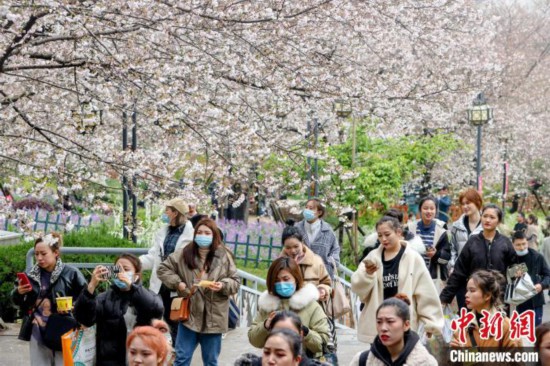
(297, 302)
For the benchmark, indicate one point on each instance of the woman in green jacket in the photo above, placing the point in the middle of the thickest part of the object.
(286, 291)
(208, 267)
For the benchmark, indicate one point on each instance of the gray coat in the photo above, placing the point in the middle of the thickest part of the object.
(459, 237)
(325, 245)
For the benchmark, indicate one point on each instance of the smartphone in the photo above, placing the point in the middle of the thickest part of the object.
(23, 279)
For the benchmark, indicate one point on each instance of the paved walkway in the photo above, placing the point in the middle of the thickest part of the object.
(15, 352)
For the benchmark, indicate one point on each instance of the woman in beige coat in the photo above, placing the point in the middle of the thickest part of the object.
(208, 268)
(390, 269)
(311, 265)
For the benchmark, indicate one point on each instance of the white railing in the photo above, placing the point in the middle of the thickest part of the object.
(249, 292)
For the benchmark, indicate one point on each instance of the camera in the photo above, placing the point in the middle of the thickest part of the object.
(112, 272)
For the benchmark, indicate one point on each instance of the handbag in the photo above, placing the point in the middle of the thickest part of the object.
(25, 332)
(340, 304)
(180, 308)
(57, 325)
(519, 289)
(79, 347)
(234, 314)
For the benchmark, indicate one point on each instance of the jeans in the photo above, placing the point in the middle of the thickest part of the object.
(538, 311)
(186, 343)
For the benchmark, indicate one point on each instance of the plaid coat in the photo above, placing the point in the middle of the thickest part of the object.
(325, 245)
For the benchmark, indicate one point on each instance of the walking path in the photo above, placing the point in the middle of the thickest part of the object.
(15, 352)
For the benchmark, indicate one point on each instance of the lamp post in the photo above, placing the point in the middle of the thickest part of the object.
(504, 141)
(87, 118)
(129, 191)
(343, 109)
(478, 115)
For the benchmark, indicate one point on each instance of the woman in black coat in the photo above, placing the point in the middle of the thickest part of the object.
(49, 278)
(487, 250)
(117, 311)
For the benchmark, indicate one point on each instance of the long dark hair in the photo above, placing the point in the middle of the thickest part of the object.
(191, 251)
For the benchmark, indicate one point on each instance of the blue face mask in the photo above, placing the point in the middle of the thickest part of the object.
(521, 253)
(308, 214)
(164, 218)
(121, 284)
(285, 289)
(203, 241)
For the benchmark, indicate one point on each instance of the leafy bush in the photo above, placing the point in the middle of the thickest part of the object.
(32, 203)
(13, 260)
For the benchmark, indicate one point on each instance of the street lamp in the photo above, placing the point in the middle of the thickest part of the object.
(506, 136)
(478, 115)
(87, 118)
(342, 108)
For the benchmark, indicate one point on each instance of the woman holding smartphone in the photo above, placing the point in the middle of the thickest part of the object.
(394, 267)
(48, 279)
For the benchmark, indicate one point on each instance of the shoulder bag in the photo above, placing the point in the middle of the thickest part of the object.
(25, 332)
(180, 307)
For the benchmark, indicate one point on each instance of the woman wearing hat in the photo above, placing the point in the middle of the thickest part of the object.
(175, 235)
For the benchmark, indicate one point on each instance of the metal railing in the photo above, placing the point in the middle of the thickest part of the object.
(249, 291)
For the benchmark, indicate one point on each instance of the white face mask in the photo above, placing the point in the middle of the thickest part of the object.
(522, 253)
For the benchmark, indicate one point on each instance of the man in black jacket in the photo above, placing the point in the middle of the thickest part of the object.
(538, 271)
(479, 253)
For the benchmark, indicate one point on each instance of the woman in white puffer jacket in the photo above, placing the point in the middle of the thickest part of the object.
(175, 235)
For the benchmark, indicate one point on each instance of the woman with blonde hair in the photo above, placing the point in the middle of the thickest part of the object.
(147, 346)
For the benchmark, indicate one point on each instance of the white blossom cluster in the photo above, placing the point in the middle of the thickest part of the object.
(220, 87)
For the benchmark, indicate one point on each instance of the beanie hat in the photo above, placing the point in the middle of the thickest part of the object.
(179, 205)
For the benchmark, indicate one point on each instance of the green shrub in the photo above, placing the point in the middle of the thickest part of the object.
(13, 260)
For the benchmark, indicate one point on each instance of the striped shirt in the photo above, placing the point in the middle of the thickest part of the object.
(427, 234)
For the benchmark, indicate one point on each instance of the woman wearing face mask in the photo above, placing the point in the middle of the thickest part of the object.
(435, 238)
(483, 293)
(395, 344)
(311, 265)
(208, 265)
(118, 310)
(318, 235)
(394, 267)
(538, 271)
(49, 278)
(177, 233)
(147, 346)
(486, 250)
(286, 290)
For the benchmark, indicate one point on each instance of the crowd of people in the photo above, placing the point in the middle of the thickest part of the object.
(409, 275)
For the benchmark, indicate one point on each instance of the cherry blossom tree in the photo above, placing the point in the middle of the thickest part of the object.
(220, 87)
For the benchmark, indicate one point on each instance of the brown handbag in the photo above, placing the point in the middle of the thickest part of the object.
(180, 308)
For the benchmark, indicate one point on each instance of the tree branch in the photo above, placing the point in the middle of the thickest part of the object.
(18, 38)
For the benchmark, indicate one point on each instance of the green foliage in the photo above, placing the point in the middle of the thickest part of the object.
(383, 165)
(13, 260)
